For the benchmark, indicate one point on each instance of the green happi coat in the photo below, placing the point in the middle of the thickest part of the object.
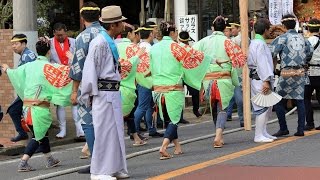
(55, 87)
(128, 64)
(219, 47)
(171, 63)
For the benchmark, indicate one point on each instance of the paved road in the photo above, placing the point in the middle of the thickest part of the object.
(292, 153)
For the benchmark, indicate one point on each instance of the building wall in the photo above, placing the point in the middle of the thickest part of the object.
(7, 129)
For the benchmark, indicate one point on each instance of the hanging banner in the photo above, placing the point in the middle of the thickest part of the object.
(190, 24)
(287, 7)
(275, 11)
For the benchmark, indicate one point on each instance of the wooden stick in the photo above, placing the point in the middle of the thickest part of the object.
(243, 6)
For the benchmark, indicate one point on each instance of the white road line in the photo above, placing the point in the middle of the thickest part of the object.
(72, 170)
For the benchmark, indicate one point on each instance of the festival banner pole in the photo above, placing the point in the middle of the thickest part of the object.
(243, 6)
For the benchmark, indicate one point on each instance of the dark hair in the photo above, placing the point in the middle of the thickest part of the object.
(289, 24)
(20, 36)
(261, 26)
(136, 26)
(316, 28)
(219, 24)
(145, 33)
(59, 26)
(183, 35)
(43, 46)
(127, 28)
(166, 28)
(91, 15)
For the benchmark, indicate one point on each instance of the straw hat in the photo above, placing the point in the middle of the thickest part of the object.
(111, 14)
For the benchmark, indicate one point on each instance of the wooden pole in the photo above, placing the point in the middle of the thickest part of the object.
(81, 22)
(243, 6)
(142, 20)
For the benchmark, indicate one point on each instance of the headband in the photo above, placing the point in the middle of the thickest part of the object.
(154, 25)
(183, 39)
(288, 19)
(128, 25)
(235, 24)
(18, 39)
(313, 25)
(89, 9)
(146, 29)
(219, 17)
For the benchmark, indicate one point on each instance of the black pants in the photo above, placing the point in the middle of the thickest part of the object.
(15, 112)
(195, 97)
(33, 145)
(307, 102)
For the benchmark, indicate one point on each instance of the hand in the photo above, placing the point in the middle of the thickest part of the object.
(73, 98)
(4, 67)
(266, 87)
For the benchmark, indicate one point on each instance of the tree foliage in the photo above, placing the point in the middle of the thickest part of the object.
(43, 7)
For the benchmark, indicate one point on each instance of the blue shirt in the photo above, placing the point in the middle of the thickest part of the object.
(27, 56)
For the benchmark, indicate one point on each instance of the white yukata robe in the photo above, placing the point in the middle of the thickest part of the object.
(109, 149)
(260, 59)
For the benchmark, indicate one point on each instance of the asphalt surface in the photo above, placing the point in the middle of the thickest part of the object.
(302, 152)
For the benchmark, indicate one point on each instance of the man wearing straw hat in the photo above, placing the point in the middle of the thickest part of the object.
(100, 89)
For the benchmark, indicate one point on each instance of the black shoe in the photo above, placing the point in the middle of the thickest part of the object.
(19, 138)
(183, 121)
(156, 134)
(318, 128)
(1, 146)
(229, 118)
(142, 129)
(281, 133)
(197, 114)
(84, 171)
(299, 134)
(308, 127)
(242, 124)
(80, 139)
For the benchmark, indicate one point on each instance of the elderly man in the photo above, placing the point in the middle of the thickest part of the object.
(61, 45)
(100, 89)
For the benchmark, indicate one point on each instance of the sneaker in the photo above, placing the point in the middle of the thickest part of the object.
(121, 175)
(229, 118)
(241, 124)
(281, 133)
(19, 138)
(156, 134)
(52, 162)
(84, 171)
(318, 128)
(24, 166)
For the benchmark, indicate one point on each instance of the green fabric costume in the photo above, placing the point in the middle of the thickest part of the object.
(128, 63)
(219, 47)
(54, 84)
(171, 63)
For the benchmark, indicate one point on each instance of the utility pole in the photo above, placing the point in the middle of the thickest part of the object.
(81, 22)
(180, 9)
(25, 22)
(243, 4)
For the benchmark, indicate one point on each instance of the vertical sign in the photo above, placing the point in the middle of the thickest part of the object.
(190, 24)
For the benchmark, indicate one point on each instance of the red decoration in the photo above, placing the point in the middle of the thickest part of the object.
(57, 76)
